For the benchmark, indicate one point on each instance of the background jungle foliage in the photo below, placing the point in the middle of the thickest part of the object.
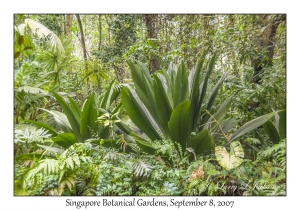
(149, 104)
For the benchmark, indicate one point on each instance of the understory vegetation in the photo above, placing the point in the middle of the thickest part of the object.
(149, 105)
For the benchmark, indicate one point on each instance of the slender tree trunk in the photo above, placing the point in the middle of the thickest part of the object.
(151, 33)
(100, 32)
(69, 20)
(82, 38)
(108, 30)
(83, 47)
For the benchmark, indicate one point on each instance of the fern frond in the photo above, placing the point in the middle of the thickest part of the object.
(49, 166)
(141, 168)
(274, 149)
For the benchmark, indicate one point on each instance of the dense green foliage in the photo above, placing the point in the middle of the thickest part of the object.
(150, 105)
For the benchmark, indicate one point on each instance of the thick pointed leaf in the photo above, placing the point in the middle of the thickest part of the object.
(144, 89)
(65, 140)
(205, 82)
(44, 126)
(139, 79)
(194, 82)
(202, 142)
(71, 118)
(88, 124)
(282, 124)
(226, 125)
(219, 115)
(170, 74)
(251, 125)
(61, 120)
(103, 131)
(179, 124)
(138, 113)
(162, 102)
(146, 72)
(181, 88)
(272, 132)
(122, 128)
(214, 94)
(169, 81)
(143, 144)
(232, 159)
(106, 99)
(75, 109)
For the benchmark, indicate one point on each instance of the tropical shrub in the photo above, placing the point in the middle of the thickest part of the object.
(78, 125)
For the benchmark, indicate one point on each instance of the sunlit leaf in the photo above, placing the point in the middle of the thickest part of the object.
(231, 159)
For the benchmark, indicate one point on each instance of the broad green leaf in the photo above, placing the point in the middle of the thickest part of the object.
(162, 102)
(272, 132)
(144, 145)
(249, 126)
(170, 82)
(103, 131)
(42, 32)
(140, 84)
(65, 140)
(179, 124)
(146, 72)
(194, 84)
(282, 124)
(202, 142)
(122, 128)
(44, 126)
(231, 159)
(181, 88)
(144, 89)
(71, 118)
(88, 123)
(61, 120)
(21, 28)
(75, 109)
(106, 99)
(138, 113)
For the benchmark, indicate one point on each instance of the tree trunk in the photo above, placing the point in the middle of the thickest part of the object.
(108, 29)
(82, 38)
(100, 32)
(83, 48)
(69, 20)
(151, 33)
(267, 38)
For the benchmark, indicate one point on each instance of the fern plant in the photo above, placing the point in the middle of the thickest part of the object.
(61, 170)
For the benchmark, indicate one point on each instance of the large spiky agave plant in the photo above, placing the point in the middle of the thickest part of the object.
(171, 104)
(167, 105)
